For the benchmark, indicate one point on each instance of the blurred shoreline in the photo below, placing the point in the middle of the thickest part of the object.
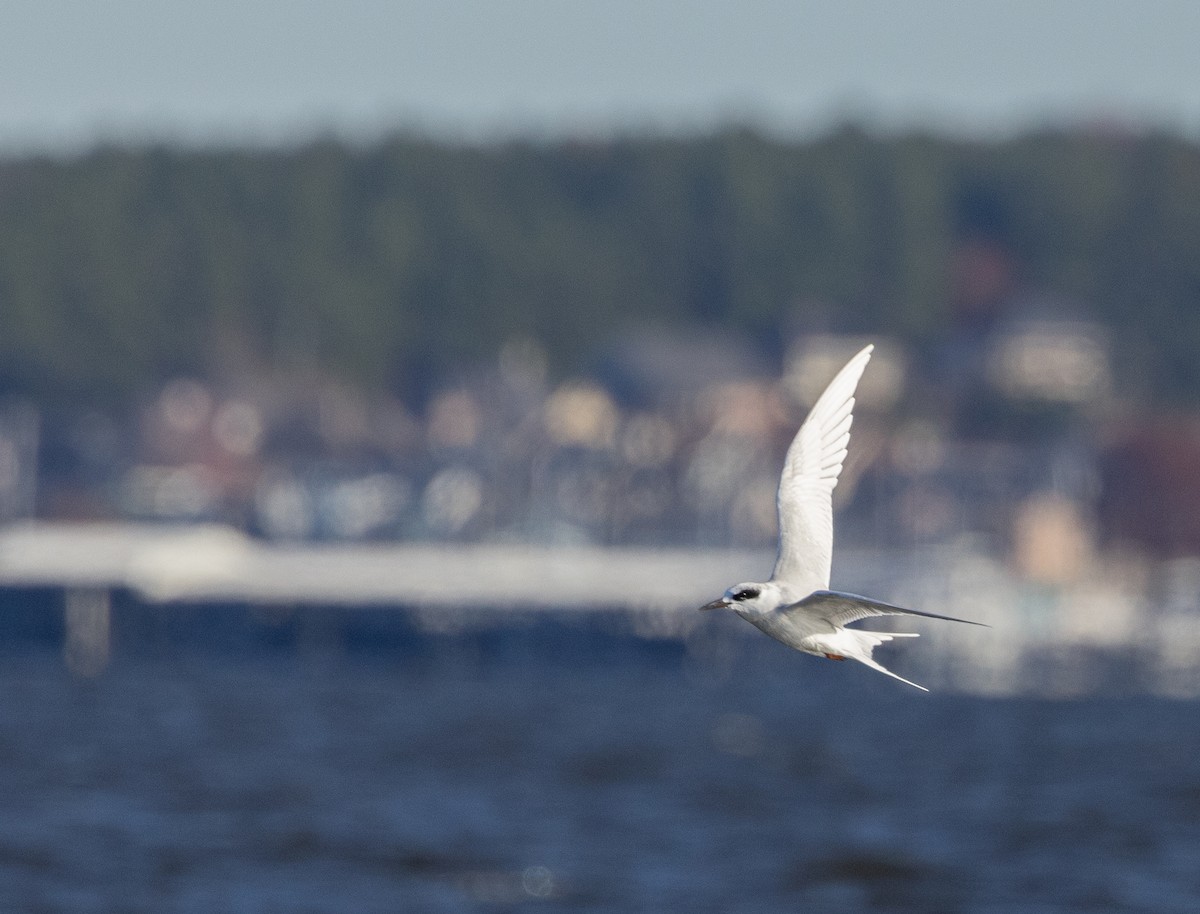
(1064, 640)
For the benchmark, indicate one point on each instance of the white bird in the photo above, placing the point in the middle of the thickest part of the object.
(796, 606)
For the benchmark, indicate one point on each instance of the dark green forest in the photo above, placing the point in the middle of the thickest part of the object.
(396, 263)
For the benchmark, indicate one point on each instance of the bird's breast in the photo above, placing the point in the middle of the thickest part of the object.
(790, 629)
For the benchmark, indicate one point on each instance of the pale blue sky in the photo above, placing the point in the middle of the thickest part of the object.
(75, 70)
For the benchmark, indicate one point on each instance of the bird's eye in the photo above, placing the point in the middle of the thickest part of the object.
(747, 594)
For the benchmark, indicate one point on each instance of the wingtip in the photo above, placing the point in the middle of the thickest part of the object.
(863, 356)
(865, 352)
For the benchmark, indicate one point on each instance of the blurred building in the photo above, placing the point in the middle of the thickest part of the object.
(1151, 491)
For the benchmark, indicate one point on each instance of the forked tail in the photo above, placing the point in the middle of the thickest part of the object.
(861, 644)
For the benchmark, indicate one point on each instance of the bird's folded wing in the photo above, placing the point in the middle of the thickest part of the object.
(844, 608)
(810, 473)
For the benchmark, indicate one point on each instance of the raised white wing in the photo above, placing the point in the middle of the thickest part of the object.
(805, 499)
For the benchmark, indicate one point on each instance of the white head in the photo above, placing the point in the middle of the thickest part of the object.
(749, 599)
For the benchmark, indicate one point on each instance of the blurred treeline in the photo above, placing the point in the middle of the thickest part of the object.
(392, 264)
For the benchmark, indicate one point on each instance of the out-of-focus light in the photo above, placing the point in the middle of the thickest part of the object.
(238, 428)
(361, 507)
(743, 408)
(581, 416)
(285, 507)
(1052, 541)
(454, 420)
(1054, 361)
(185, 405)
(499, 887)
(452, 499)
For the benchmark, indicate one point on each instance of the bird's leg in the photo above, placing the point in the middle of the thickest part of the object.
(835, 656)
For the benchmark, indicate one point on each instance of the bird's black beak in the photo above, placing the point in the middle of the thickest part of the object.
(716, 604)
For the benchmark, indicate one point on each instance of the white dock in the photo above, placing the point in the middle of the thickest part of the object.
(214, 563)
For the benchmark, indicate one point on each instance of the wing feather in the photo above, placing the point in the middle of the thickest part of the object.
(843, 608)
(810, 472)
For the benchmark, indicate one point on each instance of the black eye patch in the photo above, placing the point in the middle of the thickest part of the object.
(747, 594)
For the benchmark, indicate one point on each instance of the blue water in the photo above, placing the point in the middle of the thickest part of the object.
(233, 762)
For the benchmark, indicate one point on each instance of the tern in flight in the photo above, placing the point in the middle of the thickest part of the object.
(796, 606)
